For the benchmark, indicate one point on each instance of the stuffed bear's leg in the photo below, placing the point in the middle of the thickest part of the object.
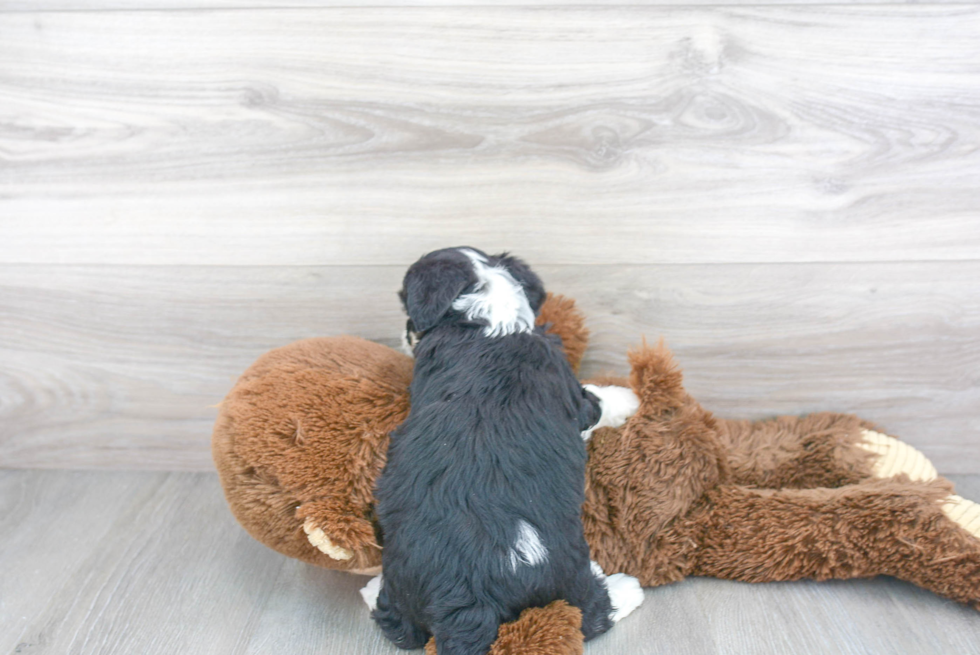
(891, 457)
(818, 450)
(913, 531)
(800, 452)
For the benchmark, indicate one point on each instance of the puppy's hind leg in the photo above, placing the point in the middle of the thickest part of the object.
(466, 631)
(398, 628)
(606, 600)
(588, 593)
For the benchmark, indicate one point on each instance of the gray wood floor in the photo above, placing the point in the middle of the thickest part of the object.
(153, 563)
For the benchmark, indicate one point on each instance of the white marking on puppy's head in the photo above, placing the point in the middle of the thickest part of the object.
(528, 548)
(410, 339)
(407, 346)
(498, 299)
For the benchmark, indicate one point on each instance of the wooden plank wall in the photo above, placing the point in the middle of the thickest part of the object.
(789, 194)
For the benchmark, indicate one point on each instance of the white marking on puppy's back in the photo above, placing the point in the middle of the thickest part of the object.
(499, 299)
(528, 548)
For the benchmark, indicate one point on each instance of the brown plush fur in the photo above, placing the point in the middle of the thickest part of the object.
(891, 527)
(563, 318)
(799, 452)
(640, 480)
(552, 630)
(675, 492)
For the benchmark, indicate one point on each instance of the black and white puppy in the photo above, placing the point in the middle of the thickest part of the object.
(480, 500)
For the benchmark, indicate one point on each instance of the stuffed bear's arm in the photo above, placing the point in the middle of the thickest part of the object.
(337, 530)
(652, 471)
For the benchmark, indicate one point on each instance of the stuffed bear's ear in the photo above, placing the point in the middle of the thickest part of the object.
(431, 286)
(533, 287)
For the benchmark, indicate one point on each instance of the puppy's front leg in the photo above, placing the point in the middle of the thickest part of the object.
(370, 591)
(616, 404)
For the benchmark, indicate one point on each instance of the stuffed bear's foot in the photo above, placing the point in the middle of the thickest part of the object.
(338, 532)
(895, 457)
(964, 513)
(322, 542)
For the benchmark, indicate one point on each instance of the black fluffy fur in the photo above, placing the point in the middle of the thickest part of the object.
(493, 437)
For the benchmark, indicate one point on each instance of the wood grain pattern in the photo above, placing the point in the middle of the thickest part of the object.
(114, 5)
(787, 193)
(116, 563)
(120, 367)
(596, 135)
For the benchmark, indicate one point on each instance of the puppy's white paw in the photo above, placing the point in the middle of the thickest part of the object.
(618, 404)
(622, 404)
(625, 594)
(318, 538)
(370, 592)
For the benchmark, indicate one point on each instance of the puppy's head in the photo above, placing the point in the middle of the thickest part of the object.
(465, 284)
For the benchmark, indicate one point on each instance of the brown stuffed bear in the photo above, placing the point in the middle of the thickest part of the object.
(675, 492)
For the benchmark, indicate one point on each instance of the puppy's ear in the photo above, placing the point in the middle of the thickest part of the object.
(431, 287)
(533, 287)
